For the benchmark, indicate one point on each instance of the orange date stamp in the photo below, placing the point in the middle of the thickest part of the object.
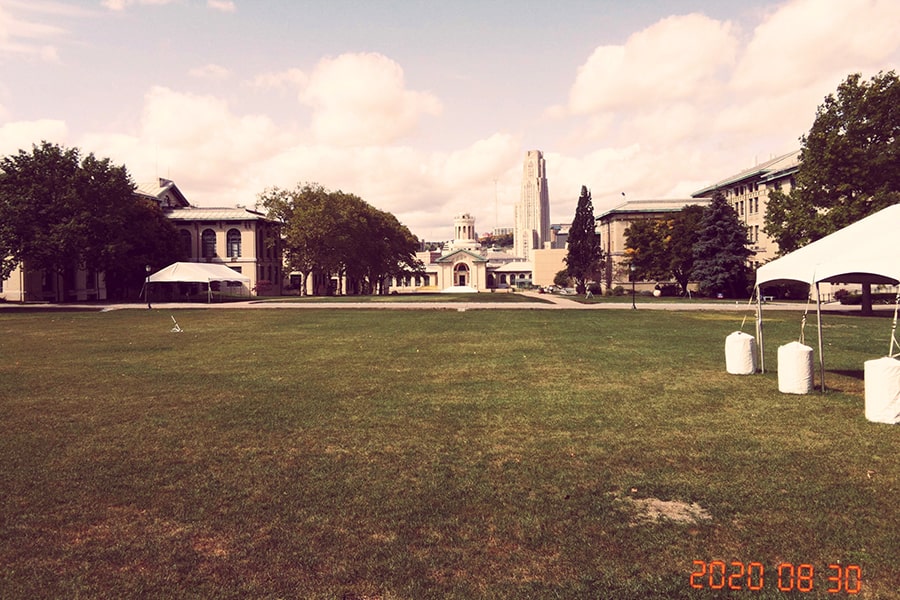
(786, 577)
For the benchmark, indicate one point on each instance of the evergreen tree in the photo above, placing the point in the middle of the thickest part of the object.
(583, 261)
(721, 251)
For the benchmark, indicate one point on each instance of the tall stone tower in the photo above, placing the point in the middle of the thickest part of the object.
(533, 209)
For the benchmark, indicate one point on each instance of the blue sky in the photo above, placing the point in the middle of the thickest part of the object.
(426, 109)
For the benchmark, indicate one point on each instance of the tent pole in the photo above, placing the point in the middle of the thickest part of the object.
(821, 344)
(759, 331)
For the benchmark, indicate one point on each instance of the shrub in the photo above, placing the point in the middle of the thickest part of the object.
(262, 287)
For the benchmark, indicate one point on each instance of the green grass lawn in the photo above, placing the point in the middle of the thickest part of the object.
(432, 454)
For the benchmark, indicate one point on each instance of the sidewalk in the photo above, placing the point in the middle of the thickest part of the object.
(548, 302)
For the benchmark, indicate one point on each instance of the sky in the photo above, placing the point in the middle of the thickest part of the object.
(426, 108)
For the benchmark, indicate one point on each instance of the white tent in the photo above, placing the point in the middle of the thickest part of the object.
(865, 252)
(187, 272)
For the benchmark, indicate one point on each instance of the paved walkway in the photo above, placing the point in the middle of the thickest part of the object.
(550, 302)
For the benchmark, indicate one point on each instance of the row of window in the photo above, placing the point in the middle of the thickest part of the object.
(407, 281)
(208, 243)
(423, 280)
(752, 206)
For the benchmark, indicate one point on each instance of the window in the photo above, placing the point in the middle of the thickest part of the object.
(208, 239)
(233, 243)
(185, 240)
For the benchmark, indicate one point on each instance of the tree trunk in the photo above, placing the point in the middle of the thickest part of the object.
(866, 308)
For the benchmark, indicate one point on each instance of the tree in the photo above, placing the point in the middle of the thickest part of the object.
(583, 260)
(683, 235)
(721, 251)
(562, 279)
(340, 235)
(849, 163)
(663, 249)
(60, 212)
(646, 248)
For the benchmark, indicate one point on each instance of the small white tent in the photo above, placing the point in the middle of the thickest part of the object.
(865, 252)
(187, 272)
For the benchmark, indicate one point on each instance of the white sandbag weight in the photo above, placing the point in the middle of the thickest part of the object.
(795, 368)
(740, 353)
(882, 381)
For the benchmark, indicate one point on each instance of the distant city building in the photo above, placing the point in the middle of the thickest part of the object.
(748, 193)
(464, 266)
(559, 237)
(532, 217)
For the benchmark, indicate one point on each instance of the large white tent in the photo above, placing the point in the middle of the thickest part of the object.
(187, 272)
(865, 252)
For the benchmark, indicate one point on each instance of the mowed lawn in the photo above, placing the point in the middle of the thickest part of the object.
(388, 454)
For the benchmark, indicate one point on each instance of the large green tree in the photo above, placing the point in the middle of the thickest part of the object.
(61, 212)
(684, 233)
(721, 251)
(849, 163)
(341, 235)
(584, 258)
(663, 249)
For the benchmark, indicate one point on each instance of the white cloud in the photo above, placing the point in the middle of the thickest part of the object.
(119, 5)
(361, 99)
(221, 5)
(21, 36)
(690, 100)
(674, 59)
(290, 78)
(211, 71)
(198, 141)
(807, 43)
(22, 135)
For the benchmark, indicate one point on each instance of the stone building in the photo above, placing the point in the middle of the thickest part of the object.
(242, 239)
(613, 224)
(748, 193)
(464, 266)
(532, 212)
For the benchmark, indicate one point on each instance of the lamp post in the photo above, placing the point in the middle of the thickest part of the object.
(633, 305)
(147, 285)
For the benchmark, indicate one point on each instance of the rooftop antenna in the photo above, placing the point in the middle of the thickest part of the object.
(496, 209)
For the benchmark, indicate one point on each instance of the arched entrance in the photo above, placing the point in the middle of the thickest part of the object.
(461, 275)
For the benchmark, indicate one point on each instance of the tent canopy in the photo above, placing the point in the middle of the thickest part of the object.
(865, 252)
(187, 272)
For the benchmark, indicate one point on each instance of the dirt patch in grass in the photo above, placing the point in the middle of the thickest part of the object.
(654, 510)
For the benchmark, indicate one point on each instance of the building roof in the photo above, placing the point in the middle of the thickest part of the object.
(652, 206)
(448, 257)
(515, 267)
(160, 189)
(771, 169)
(193, 213)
